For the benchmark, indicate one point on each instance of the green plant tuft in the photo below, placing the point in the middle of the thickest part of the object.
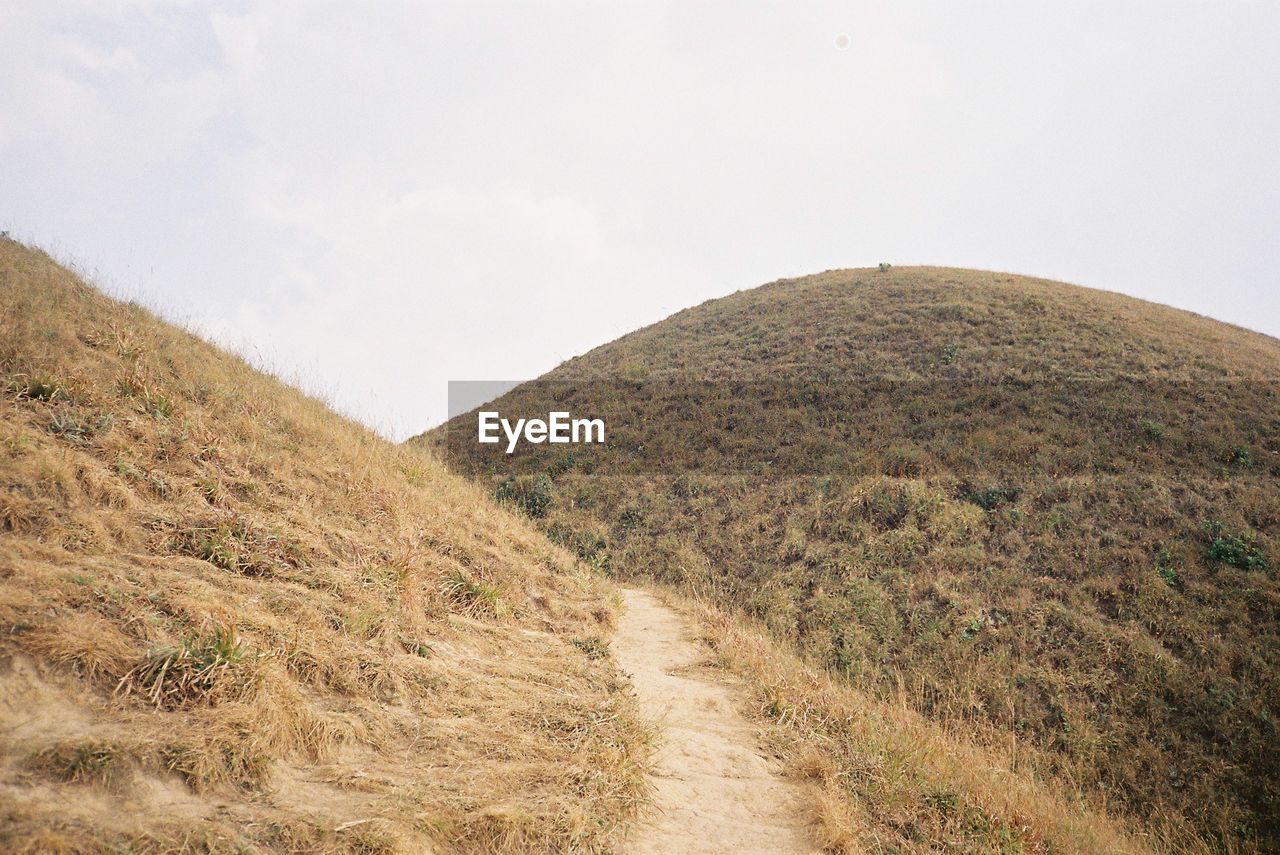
(1240, 551)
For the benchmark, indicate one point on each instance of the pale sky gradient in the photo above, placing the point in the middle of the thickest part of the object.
(375, 198)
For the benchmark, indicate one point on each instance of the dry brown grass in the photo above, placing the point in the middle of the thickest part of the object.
(883, 778)
(232, 619)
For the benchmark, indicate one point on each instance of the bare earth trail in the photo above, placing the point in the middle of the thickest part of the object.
(713, 791)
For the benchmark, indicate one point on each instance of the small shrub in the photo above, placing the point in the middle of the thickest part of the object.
(589, 547)
(1166, 570)
(531, 495)
(993, 498)
(561, 465)
(630, 519)
(1240, 457)
(950, 352)
(884, 266)
(1240, 551)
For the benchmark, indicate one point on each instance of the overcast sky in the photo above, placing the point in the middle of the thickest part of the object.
(376, 198)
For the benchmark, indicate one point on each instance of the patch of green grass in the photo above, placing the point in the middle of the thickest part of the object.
(593, 646)
(1238, 550)
(1240, 457)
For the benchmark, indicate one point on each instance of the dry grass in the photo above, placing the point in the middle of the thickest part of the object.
(886, 779)
(259, 625)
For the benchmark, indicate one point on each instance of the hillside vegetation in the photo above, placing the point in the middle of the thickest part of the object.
(1045, 518)
(231, 620)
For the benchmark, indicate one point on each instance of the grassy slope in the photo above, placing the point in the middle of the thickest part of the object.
(980, 493)
(229, 617)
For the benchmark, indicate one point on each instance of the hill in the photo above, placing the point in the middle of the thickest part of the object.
(231, 620)
(1042, 517)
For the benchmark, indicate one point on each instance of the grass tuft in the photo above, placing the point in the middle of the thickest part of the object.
(196, 671)
(475, 598)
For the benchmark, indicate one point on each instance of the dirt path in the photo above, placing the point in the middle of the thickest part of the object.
(713, 791)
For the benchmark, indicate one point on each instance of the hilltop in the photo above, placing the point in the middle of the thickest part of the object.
(1044, 518)
(231, 620)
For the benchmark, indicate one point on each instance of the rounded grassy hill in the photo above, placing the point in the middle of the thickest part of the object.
(1039, 513)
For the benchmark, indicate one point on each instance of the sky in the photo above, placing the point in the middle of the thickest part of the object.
(373, 199)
